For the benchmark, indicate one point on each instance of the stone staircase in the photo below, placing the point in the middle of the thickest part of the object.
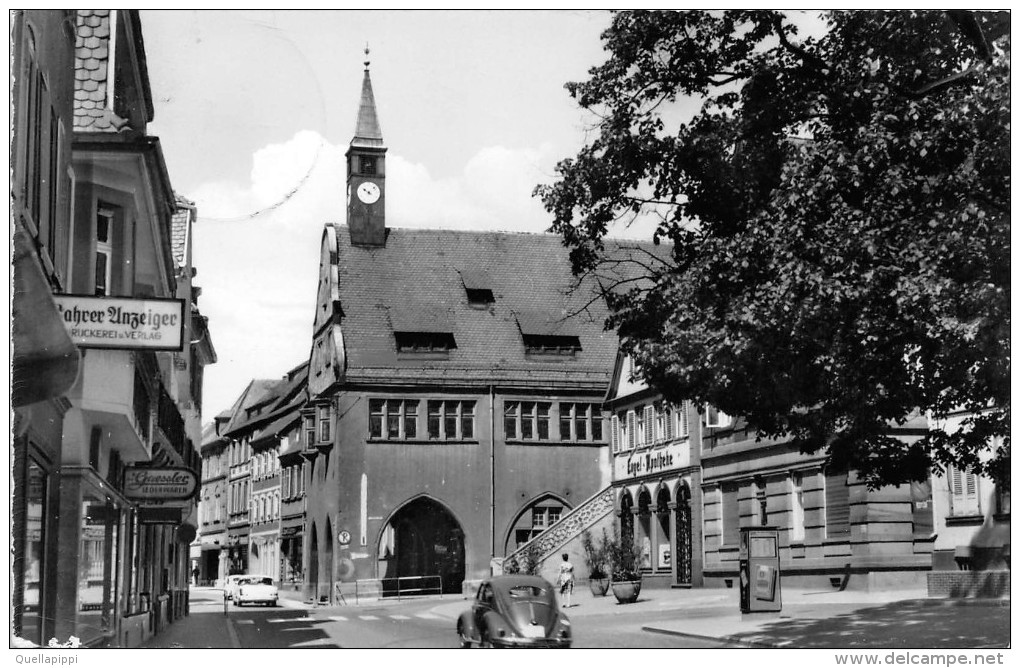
(568, 529)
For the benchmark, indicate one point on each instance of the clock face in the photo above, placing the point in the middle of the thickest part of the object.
(368, 192)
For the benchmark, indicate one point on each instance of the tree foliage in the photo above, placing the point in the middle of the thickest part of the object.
(837, 211)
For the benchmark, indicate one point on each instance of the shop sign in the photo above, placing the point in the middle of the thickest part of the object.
(159, 515)
(171, 483)
(287, 532)
(655, 460)
(123, 323)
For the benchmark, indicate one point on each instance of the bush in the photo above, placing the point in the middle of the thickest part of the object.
(532, 559)
(595, 554)
(624, 557)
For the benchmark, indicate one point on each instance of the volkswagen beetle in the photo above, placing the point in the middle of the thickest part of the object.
(514, 611)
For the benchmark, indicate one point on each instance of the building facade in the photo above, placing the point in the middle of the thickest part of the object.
(656, 455)
(103, 564)
(833, 530)
(210, 558)
(45, 361)
(455, 383)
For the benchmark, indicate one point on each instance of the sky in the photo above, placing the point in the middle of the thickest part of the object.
(255, 109)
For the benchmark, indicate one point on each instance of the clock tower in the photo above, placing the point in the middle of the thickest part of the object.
(366, 173)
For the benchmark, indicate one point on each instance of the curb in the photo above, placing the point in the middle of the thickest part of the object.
(730, 640)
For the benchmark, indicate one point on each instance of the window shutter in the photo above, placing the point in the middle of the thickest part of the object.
(684, 426)
(730, 514)
(667, 422)
(964, 486)
(649, 424)
(631, 430)
(614, 433)
(837, 505)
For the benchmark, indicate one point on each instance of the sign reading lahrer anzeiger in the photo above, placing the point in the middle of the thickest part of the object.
(124, 323)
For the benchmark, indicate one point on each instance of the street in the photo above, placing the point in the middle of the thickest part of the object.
(397, 624)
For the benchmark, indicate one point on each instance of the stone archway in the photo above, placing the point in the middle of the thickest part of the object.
(427, 541)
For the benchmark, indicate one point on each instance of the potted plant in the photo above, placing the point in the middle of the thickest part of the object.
(624, 559)
(595, 560)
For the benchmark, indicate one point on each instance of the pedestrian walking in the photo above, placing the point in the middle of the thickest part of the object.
(566, 579)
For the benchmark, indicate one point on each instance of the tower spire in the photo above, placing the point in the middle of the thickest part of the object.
(367, 132)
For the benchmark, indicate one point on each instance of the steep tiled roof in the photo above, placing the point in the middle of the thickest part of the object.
(91, 73)
(422, 271)
(256, 392)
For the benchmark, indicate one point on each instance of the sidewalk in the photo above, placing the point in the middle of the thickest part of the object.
(809, 618)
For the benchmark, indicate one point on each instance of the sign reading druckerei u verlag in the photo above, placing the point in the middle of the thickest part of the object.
(159, 484)
(123, 322)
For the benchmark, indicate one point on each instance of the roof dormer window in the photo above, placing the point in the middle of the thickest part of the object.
(543, 335)
(477, 286)
(480, 298)
(425, 342)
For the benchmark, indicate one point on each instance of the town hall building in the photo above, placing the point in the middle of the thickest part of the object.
(455, 383)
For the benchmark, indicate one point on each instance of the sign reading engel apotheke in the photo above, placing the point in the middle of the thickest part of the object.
(123, 322)
(159, 484)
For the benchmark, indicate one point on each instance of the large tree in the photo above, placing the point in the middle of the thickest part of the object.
(837, 217)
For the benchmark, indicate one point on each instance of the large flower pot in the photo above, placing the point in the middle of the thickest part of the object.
(598, 586)
(626, 591)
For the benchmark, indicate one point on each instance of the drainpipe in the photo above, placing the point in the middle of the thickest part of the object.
(492, 470)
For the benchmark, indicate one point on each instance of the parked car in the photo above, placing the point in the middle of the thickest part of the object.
(230, 586)
(514, 611)
(256, 589)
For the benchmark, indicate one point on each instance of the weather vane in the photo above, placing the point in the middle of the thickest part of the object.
(367, 61)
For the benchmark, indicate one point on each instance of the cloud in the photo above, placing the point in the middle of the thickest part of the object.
(257, 243)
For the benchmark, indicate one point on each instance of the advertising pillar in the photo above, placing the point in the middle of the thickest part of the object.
(760, 589)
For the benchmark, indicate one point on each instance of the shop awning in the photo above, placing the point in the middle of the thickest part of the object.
(45, 363)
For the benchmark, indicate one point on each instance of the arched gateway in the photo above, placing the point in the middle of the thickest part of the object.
(422, 538)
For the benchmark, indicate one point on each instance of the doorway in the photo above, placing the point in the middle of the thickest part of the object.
(427, 546)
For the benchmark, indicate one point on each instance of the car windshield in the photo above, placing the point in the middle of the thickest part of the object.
(526, 591)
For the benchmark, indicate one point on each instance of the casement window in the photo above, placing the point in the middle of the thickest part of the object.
(104, 250)
(325, 424)
(683, 428)
(393, 419)
(716, 418)
(837, 505)
(730, 513)
(580, 422)
(964, 488)
(308, 421)
(639, 430)
(451, 420)
(542, 515)
(526, 420)
(651, 436)
(285, 484)
(796, 507)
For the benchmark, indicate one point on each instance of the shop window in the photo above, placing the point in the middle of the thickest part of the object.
(97, 568)
(32, 613)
